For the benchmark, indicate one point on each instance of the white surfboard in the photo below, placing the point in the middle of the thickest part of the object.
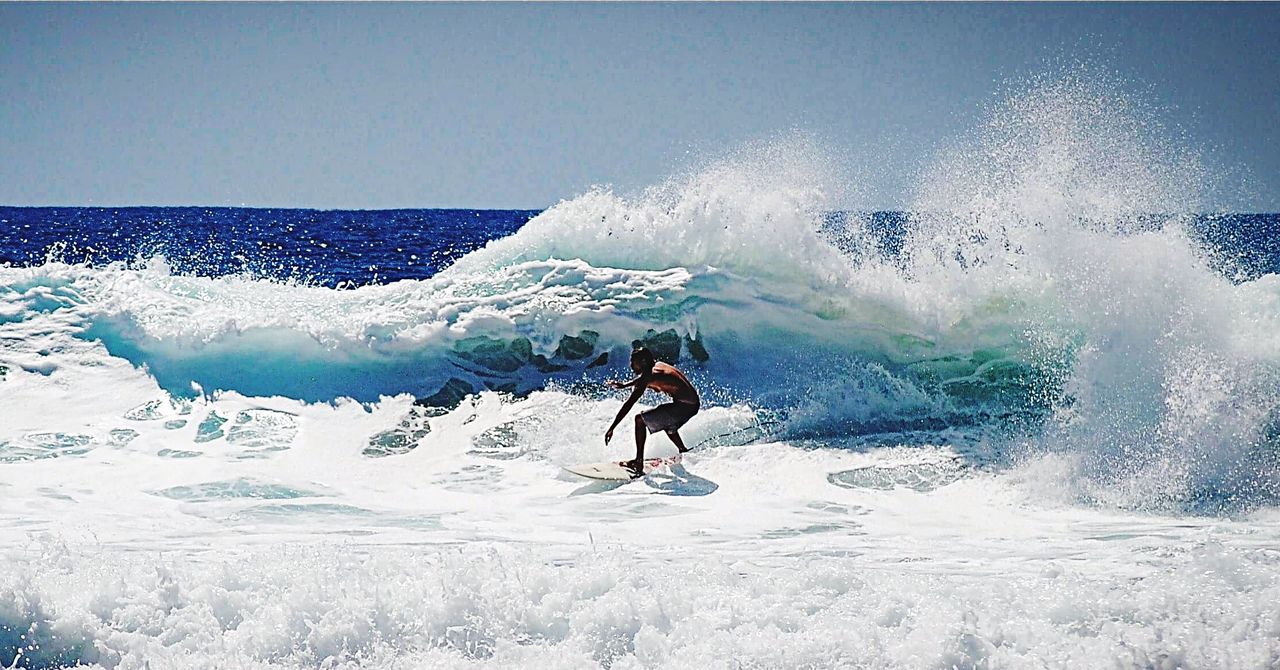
(616, 471)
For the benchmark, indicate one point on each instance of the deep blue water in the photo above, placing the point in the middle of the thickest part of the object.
(327, 247)
(357, 247)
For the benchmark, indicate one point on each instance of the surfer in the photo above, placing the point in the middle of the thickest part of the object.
(667, 417)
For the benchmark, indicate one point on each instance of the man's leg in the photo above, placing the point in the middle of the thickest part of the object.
(675, 437)
(642, 432)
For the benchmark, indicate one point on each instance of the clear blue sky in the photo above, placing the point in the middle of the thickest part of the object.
(520, 105)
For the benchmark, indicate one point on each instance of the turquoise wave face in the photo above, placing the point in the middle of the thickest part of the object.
(531, 324)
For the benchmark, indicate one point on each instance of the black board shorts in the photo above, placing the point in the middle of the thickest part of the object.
(668, 416)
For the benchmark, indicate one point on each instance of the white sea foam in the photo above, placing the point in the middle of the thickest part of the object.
(504, 606)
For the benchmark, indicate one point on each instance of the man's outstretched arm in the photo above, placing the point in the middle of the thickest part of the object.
(624, 385)
(626, 407)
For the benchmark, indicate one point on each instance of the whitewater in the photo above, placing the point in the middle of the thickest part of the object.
(1035, 428)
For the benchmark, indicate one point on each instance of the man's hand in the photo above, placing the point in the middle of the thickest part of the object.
(608, 436)
(613, 383)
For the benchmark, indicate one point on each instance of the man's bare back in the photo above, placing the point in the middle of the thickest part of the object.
(671, 381)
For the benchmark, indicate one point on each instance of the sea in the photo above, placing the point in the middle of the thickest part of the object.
(1030, 419)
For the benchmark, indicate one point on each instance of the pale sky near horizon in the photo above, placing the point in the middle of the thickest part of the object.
(521, 105)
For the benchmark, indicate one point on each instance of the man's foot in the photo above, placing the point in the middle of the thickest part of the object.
(636, 468)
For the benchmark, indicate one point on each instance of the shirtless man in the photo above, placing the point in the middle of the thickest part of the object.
(667, 417)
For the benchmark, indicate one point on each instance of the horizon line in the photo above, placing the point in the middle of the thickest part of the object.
(882, 210)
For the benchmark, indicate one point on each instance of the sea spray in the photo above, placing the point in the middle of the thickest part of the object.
(1073, 199)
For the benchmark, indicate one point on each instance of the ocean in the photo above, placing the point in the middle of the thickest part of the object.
(1030, 421)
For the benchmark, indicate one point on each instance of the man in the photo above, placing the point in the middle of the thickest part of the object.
(668, 417)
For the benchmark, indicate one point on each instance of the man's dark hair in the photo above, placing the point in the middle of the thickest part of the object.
(643, 355)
